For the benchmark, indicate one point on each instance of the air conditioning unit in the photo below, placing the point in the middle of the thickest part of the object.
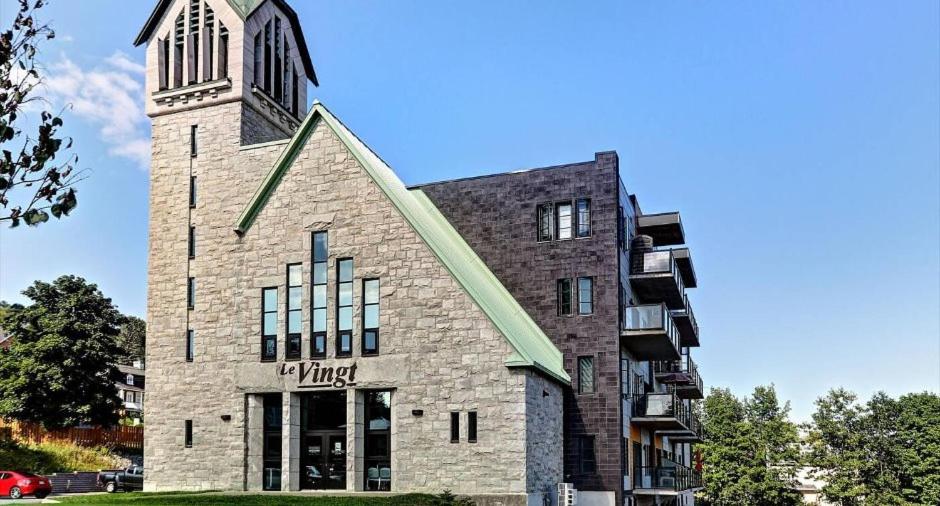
(567, 494)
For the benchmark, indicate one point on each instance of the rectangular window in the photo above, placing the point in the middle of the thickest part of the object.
(455, 427)
(563, 220)
(585, 375)
(191, 293)
(189, 434)
(585, 295)
(564, 297)
(472, 426)
(271, 447)
(269, 324)
(193, 146)
(190, 345)
(294, 290)
(192, 242)
(378, 447)
(583, 217)
(545, 222)
(318, 296)
(370, 317)
(344, 307)
(588, 460)
(192, 191)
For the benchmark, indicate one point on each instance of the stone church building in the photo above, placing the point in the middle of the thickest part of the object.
(313, 323)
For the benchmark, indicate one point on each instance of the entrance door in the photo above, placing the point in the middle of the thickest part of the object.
(323, 440)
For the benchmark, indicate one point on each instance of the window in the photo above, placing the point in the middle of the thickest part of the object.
(259, 61)
(269, 324)
(178, 38)
(130, 379)
(563, 221)
(189, 434)
(267, 57)
(344, 307)
(585, 375)
(192, 191)
(294, 290)
(193, 41)
(190, 345)
(191, 293)
(272, 426)
(583, 217)
(193, 146)
(588, 460)
(564, 297)
(192, 242)
(223, 51)
(163, 62)
(455, 427)
(585, 295)
(370, 317)
(318, 303)
(625, 376)
(545, 222)
(378, 415)
(278, 75)
(472, 426)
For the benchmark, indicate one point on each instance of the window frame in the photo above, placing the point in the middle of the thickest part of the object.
(190, 345)
(193, 142)
(264, 337)
(365, 305)
(587, 442)
(297, 351)
(578, 223)
(581, 375)
(590, 280)
(192, 192)
(542, 211)
(315, 334)
(188, 434)
(557, 220)
(340, 334)
(455, 427)
(472, 426)
(191, 292)
(192, 242)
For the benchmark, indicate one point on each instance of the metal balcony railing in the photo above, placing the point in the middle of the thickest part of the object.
(655, 277)
(661, 405)
(667, 476)
(652, 318)
(657, 262)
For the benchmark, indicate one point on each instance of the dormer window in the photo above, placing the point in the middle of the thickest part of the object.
(130, 379)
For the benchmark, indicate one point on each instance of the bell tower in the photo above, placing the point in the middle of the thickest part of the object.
(203, 53)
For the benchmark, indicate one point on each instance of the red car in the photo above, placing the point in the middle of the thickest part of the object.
(16, 484)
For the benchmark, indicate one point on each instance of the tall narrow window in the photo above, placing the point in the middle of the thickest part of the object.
(583, 217)
(585, 375)
(377, 444)
(259, 60)
(564, 297)
(192, 191)
(192, 242)
(344, 307)
(193, 146)
(472, 426)
(455, 427)
(188, 436)
(163, 62)
(318, 303)
(278, 76)
(193, 39)
(563, 220)
(269, 324)
(190, 345)
(294, 290)
(588, 460)
(179, 37)
(191, 293)
(223, 52)
(545, 222)
(585, 295)
(370, 317)
(271, 448)
(267, 57)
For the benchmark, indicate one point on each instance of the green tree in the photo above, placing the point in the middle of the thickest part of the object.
(33, 183)
(918, 446)
(132, 340)
(881, 466)
(836, 447)
(60, 369)
(750, 454)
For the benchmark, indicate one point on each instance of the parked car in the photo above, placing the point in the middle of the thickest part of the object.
(17, 484)
(131, 478)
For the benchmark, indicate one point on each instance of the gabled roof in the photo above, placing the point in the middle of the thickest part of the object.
(532, 348)
(244, 9)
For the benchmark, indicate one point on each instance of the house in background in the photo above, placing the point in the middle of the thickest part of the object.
(130, 387)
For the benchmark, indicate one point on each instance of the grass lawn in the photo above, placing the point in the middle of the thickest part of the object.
(209, 498)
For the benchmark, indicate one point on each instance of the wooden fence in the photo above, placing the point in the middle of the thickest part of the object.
(121, 437)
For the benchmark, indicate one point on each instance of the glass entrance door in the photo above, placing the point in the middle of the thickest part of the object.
(323, 440)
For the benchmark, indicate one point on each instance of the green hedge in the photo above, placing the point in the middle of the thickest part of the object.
(54, 457)
(209, 499)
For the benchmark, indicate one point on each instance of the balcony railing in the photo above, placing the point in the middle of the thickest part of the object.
(685, 322)
(650, 332)
(661, 411)
(668, 476)
(655, 277)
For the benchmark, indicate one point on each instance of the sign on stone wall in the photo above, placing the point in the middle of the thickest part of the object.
(313, 374)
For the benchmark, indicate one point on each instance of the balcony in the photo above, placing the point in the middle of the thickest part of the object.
(664, 228)
(694, 433)
(693, 388)
(650, 333)
(661, 412)
(655, 277)
(685, 322)
(684, 261)
(666, 479)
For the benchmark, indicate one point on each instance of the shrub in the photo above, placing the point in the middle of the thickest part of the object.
(53, 457)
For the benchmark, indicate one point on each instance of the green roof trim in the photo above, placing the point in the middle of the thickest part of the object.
(531, 347)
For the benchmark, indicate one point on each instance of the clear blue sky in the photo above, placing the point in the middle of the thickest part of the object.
(799, 140)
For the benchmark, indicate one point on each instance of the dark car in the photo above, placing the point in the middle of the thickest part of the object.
(131, 478)
(17, 484)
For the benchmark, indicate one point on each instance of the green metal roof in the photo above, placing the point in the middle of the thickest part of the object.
(532, 348)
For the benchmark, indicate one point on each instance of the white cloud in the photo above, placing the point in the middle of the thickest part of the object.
(110, 96)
